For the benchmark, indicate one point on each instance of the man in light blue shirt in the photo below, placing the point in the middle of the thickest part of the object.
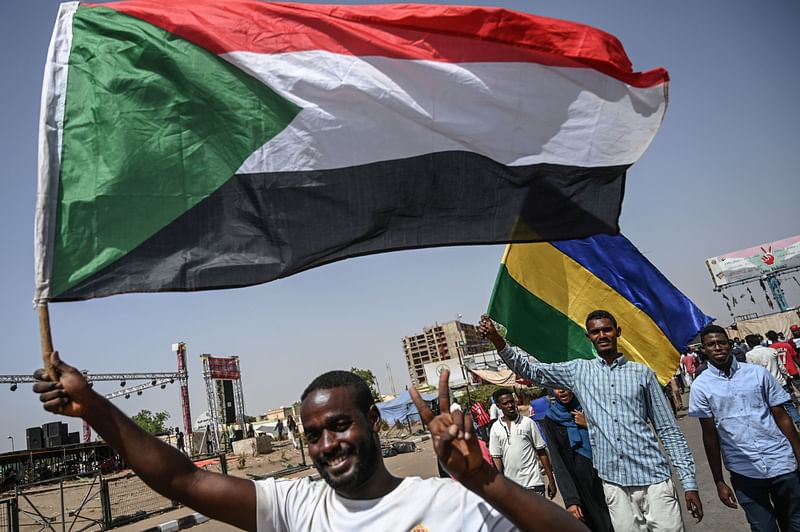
(741, 414)
(621, 399)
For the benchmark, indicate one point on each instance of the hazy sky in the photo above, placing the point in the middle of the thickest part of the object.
(721, 175)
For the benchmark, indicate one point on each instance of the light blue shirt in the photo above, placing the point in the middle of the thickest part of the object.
(752, 444)
(619, 400)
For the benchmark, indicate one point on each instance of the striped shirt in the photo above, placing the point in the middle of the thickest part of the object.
(619, 400)
(479, 414)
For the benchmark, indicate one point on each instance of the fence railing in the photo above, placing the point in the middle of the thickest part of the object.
(129, 499)
(90, 501)
(8, 515)
(67, 503)
(80, 503)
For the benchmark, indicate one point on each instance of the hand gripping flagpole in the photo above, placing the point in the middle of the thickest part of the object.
(47, 340)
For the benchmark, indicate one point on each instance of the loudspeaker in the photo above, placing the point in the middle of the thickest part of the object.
(54, 441)
(73, 438)
(228, 403)
(52, 429)
(35, 438)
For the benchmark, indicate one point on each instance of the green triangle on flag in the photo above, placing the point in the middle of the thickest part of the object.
(153, 124)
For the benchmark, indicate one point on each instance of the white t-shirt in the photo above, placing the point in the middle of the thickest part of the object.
(517, 447)
(415, 505)
(767, 357)
(495, 412)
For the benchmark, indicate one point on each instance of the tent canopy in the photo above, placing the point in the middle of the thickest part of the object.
(402, 408)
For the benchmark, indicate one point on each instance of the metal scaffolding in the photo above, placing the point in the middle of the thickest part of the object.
(156, 379)
(215, 370)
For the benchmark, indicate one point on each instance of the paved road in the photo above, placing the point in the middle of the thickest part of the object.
(718, 518)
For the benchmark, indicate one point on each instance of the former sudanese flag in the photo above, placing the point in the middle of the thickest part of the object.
(197, 144)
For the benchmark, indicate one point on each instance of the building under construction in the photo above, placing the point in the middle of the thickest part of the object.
(453, 339)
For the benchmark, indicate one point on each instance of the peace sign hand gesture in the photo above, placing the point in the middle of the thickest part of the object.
(454, 441)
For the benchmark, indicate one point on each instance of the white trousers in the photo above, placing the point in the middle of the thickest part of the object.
(644, 508)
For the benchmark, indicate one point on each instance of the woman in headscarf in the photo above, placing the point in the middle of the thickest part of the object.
(571, 456)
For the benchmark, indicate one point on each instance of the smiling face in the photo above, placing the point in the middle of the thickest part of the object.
(342, 440)
(717, 348)
(603, 334)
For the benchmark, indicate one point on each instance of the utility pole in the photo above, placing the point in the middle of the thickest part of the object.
(391, 379)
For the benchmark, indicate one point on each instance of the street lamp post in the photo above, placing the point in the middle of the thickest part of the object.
(12, 443)
(461, 350)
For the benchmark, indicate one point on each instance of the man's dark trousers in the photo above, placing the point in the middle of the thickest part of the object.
(770, 504)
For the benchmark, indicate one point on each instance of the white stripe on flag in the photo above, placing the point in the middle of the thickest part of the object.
(359, 110)
(51, 131)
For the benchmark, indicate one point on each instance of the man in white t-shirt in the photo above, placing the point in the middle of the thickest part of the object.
(494, 411)
(518, 449)
(341, 424)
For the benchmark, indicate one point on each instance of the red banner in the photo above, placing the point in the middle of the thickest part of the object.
(223, 368)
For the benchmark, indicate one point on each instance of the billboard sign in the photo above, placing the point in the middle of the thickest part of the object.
(225, 368)
(752, 263)
(434, 369)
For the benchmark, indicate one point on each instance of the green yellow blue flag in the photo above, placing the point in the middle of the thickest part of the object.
(544, 291)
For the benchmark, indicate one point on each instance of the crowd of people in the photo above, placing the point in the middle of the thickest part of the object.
(607, 441)
(614, 475)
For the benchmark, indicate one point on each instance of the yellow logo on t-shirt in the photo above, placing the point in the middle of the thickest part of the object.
(420, 528)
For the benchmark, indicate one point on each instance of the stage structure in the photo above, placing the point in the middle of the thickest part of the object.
(152, 380)
(768, 264)
(225, 396)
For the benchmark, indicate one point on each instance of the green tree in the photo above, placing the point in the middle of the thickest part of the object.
(150, 422)
(483, 393)
(368, 376)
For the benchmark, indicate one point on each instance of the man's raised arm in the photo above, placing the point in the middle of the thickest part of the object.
(458, 450)
(558, 375)
(163, 468)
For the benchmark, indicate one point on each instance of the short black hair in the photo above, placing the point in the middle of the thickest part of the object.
(712, 329)
(600, 315)
(772, 335)
(500, 392)
(359, 389)
(753, 339)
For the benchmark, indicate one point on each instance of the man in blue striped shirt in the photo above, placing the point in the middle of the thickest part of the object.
(621, 399)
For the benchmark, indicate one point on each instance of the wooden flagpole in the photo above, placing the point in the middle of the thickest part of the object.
(47, 340)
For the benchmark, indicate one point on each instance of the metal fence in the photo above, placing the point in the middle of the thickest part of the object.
(90, 501)
(80, 503)
(8, 515)
(72, 502)
(129, 499)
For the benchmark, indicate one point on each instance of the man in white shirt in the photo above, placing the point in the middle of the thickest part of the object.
(768, 358)
(517, 447)
(494, 411)
(764, 356)
(341, 423)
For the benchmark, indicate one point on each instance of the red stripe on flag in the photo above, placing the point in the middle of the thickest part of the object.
(454, 34)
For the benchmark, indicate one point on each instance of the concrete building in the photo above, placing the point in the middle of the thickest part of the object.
(444, 341)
